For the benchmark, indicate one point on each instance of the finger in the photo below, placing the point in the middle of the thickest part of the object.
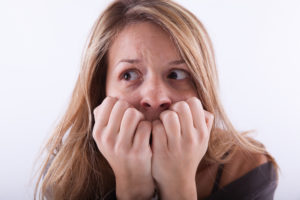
(116, 116)
(142, 135)
(102, 112)
(101, 115)
(197, 112)
(203, 122)
(185, 116)
(209, 119)
(129, 124)
(159, 138)
(170, 121)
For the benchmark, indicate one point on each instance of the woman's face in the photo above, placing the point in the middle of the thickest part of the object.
(146, 69)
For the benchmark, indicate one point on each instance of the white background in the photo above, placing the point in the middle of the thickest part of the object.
(257, 50)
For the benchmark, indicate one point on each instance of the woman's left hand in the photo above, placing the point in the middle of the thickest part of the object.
(180, 140)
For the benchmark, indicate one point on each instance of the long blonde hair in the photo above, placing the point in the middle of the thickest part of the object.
(74, 168)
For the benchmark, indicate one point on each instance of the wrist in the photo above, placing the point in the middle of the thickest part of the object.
(130, 191)
(180, 191)
(131, 196)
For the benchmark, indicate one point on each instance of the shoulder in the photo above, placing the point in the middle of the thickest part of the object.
(248, 176)
(240, 164)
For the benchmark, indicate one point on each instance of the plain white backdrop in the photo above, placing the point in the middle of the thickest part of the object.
(257, 49)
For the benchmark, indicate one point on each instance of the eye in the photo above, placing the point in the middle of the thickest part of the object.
(130, 75)
(178, 74)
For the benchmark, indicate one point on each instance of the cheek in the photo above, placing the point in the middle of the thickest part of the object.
(182, 92)
(183, 95)
(130, 96)
(193, 92)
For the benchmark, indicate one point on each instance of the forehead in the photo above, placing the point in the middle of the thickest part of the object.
(143, 40)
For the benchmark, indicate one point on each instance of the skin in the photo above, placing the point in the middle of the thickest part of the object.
(149, 91)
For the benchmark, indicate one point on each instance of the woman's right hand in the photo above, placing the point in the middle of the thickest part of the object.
(123, 138)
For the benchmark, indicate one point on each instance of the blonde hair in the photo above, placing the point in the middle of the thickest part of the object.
(74, 168)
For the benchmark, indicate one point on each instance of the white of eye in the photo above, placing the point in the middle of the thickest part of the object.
(178, 74)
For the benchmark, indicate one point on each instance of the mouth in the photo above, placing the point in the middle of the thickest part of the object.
(150, 141)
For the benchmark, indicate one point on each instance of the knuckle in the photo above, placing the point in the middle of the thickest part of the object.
(119, 149)
(135, 152)
(163, 114)
(135, 155)
(96, 133)
(211, 116)
(168, 115)
(95, 111)
(106, 140)
(204, 136)
(108, 98)
(139, 114)
(144, 125)
(105, 101)
(133, 113)
(181, 105)
(191, 141)
(129, 112)
(194, 101)
(132, 157)
(138, 155)
(123, 103)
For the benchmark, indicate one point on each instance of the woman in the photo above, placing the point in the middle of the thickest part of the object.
(145, 119)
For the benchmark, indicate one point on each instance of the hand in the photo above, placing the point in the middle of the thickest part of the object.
(180, 140)
(123, 139)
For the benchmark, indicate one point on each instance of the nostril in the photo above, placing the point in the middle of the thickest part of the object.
(165, 105)
(162, 105)
(146, 105)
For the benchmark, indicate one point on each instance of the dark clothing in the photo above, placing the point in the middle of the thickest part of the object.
(258, 184)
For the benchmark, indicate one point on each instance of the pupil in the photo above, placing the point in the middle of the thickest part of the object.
(126, 76)
(173, 75)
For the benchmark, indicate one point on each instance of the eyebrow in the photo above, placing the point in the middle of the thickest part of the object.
(177, 62)
(134, 61)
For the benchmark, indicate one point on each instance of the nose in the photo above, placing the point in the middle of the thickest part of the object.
(155, 98)
(156, 104)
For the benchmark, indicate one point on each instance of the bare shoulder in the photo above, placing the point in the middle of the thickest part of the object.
(240, 164)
